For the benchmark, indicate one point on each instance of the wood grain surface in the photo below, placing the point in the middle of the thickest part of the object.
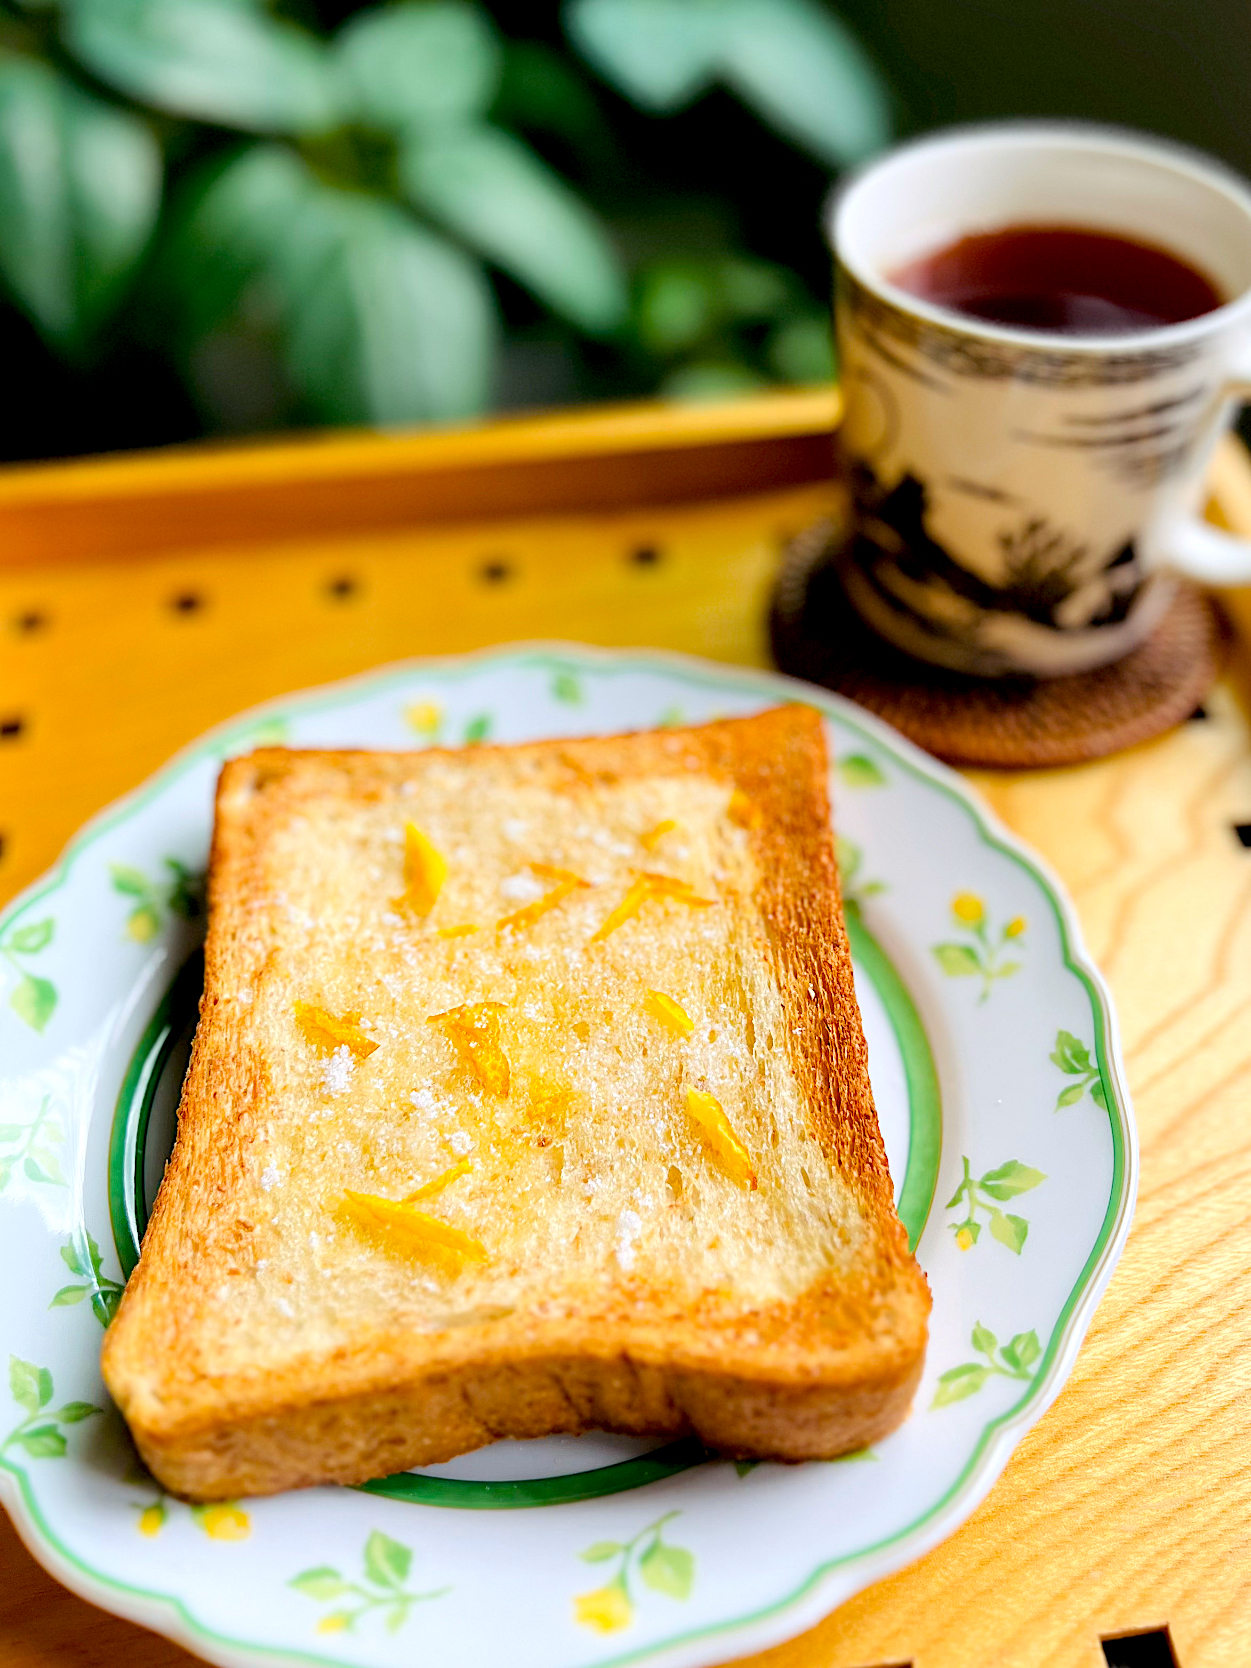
(1128, 1507)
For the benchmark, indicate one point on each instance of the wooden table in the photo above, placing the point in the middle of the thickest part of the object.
(144, 599)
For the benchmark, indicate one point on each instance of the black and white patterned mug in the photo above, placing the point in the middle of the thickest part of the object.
(1023, 500)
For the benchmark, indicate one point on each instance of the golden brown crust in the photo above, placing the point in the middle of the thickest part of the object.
(810, 1379)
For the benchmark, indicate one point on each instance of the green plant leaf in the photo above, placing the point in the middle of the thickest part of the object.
(1022, 1351)
(44, 1382)
(132, 883)
(396, 1615)
(659, 53)
(668, 1569)
(807, 76)
(1009, 1230)
(25, 1383)
(958, 1382)
(1099, 1094)
(27, 940)
(600, 1551)
(1068, 1096)
(71, 1259)
(1010, 1179)
(494, 192)
(802, 350)
(419, 65)
(858, 770)
(387, 1563)
(1006, 969)
(1070, 1054)
(541, 92)
(44, 1442)
(68, 1295)
(73, 1413)
(10, 1132)
(984, 1340)
(218, 60)
(80, 186)
(33, 1000)
(956, 1196)
(321, 1583)
(384, 321)
(957, 960)
(93, 1252)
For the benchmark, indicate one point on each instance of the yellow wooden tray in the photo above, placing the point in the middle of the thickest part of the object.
(143, 599)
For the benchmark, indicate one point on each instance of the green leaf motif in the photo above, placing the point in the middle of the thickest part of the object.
(69, 1255)
(44, 1442)
(73, 1413)
(24, 1384)
(28, 941)
(1023, 1350)
(478, 729)
(1067, 1097)
(104, 1304)
(743, 1467)
(131, 883)
(600, 1551)
(386, 1562)
(42, 1167)
(415, 66)
(1010, 1179)
(1070, 1054)
(68, 1295)
(1011, 1231)
(321, 1583)
(858, 770)
(1099, 1094)
(219, 60)
(567, 687)
(958, 1382)
(494, 192)
(984, 1340)
(958, 961)
(10, 1132)
(668, 1569)
(34, 1001)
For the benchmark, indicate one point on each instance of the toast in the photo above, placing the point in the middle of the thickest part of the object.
(529, 1095)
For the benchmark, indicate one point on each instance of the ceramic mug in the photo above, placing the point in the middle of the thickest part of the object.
(1023, 500)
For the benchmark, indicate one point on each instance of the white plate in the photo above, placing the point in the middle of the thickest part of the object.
(995, 1064)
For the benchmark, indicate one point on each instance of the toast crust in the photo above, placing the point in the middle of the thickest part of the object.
(814, 1377)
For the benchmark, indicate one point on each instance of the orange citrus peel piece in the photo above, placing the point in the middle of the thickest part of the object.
(647, 886)
(706, 1112)
(427, 1190)
(652, 838)
(565, 884)
(743, 810)
(400, 1228)
(326, 1033)
(669, 1013)
(425, 870)
(475, 1030)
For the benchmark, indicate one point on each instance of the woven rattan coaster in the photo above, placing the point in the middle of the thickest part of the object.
(1005, 723)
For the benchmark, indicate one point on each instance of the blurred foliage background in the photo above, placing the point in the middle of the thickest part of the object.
(228, 216)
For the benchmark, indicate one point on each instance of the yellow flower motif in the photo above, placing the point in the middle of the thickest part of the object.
(1015, 927)
(143, 924)
(968, 907)
(151, 1519)
(964, 1239)
(424, 717)
(606, 1609)
(338, 1621)
(224, 1522)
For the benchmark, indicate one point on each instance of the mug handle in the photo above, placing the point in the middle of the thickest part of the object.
(1186, 542)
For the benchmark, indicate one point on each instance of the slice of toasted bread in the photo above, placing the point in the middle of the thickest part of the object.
(609, 1159)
